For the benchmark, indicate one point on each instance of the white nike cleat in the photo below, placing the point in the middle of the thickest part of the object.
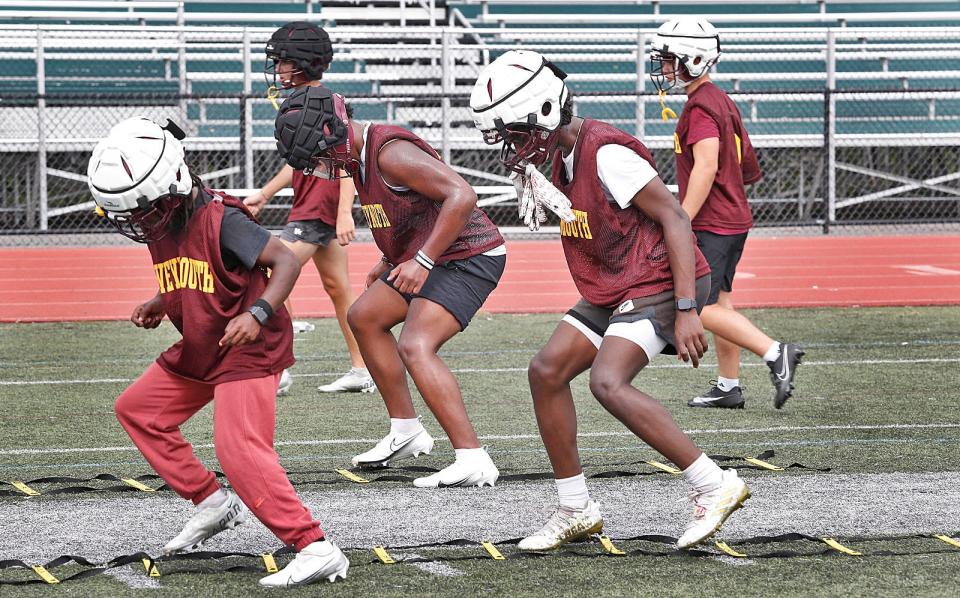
(301, 326)
(394, 447)
(318, 561)
(564, 526)
(207, 523)
(478, 471)
(711, 508)
(286, 381)
(356, 380)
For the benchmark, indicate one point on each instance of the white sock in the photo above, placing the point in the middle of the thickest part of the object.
(726, 384)
(772, 353)
(214, 500)
(470, 454)
(573, 492)
(405, 427)
(703, 474)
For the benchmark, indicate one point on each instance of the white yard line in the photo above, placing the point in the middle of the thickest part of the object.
(661, 366)
(339, 441)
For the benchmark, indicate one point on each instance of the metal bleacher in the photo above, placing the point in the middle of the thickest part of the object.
(888, 68)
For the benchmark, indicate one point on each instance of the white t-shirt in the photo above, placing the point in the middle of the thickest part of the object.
(621, 170)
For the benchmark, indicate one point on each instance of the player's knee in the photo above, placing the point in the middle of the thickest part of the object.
(604, 386)
(413, 349)
(357, 317)
(544, 372)
(123, 408)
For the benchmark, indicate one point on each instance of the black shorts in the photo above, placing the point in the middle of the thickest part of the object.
(723, 254)
(659, 309)
(460, 286)
(315, 232)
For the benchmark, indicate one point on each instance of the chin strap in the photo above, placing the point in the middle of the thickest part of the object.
(665, 113)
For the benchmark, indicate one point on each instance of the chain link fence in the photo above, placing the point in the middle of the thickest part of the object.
(852, 127)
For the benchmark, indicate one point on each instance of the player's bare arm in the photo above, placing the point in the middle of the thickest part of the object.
(346, 227)
(706, 161)
(285, 269)
(261, 198)
(404, 164)
(658, 204)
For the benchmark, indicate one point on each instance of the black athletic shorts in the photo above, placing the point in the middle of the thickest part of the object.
(723, 254)
(460, 286)
(315, 232)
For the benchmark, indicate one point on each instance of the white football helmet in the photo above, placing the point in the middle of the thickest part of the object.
(517, 99)
(689, 42)
(138, 177)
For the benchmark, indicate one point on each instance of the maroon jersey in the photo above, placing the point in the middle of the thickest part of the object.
(725, 211)
(614, 254)
(201, 295)
(314, 198)
(401, 221)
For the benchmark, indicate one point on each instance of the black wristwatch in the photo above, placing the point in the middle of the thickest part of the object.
(261, 311)
(686, 304)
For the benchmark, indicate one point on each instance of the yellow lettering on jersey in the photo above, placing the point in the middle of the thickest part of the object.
(676, 144)
(739, 148)
(184, 273)
(579, 228)
(376, 216)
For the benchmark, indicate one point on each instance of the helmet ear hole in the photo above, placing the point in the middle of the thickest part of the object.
(546, 108)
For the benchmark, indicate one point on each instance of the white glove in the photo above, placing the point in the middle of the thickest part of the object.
(548, 196)
(530, 213)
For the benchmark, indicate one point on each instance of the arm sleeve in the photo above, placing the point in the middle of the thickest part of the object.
(241, 237)
(623, 172)
(702, 126)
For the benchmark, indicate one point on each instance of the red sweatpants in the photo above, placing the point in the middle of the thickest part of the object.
(152, 409)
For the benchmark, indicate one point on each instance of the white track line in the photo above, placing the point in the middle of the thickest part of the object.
(337, 441)
(517, 370)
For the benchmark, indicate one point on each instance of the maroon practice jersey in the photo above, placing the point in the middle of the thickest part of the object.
(401, 221)
(201, 295)
(614, 254)
(314, 198)
(726, 210)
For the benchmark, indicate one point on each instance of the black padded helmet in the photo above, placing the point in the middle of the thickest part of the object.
(312, 130)
(303, 43)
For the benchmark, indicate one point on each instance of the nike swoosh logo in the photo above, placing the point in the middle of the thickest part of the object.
(457, 483)
(785, 370)
(396, 447)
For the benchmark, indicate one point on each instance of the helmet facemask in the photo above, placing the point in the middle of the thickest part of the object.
(526, 144)
(151, 222)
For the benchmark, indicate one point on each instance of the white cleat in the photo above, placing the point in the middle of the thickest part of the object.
(207, 523)
(564, 526)
(318, 561)
(301, 326)
(712, 508)
(394, 447)
(286, 381)
(473, 472)
(356, 380)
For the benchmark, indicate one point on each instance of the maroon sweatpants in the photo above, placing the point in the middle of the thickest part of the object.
(152, 409)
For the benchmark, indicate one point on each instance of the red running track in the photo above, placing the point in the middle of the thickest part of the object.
(105, 283)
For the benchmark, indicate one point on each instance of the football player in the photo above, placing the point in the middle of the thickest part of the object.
(715, 159)
(297, 55)
(211, 259)
(442, 257)
(631, 253)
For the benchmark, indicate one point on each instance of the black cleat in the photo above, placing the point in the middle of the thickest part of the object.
(782, 371)
(722, 399)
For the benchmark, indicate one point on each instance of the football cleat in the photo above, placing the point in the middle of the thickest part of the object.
(356, 380)
(286, 381)
(564, 526)
(394, 447)
(301, 326)
(782, 371)
(317, 561)
(715, 397)
(712, 508)
(478, 471)
(207, 523)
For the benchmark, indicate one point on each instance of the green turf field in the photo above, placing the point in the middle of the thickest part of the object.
(877, 403)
